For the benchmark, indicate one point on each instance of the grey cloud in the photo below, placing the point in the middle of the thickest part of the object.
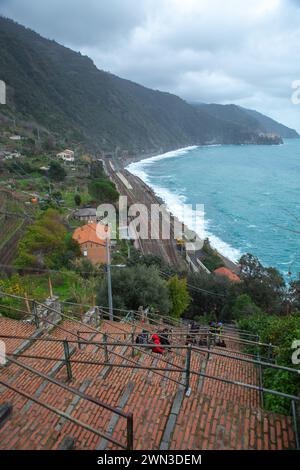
(202, 50)
(81, 23)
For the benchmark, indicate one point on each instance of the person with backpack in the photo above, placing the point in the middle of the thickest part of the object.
(212, 332)
(142, 338)
(157, 349)
(164, 337)
(219, 331)
(194, 329)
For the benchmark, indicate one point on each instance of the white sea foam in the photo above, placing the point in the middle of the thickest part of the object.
(137, 168)
(175, 203)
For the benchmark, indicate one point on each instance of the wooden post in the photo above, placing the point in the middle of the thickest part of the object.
(50, 287)
(27, 303)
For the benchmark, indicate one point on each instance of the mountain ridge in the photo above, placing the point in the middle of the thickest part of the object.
(67, 95)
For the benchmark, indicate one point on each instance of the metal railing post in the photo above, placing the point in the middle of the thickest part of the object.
(105, 347)
(295, 422)
(188, 368)
(260, 371)
(67, 359)
(130, 432)
(257, 347)
(132, 341)
(270, 352)
(208, 345)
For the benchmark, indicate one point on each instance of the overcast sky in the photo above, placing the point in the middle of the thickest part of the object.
(227, 51)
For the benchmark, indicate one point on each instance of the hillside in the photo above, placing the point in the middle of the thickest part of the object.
(249, 119)
(63, 92)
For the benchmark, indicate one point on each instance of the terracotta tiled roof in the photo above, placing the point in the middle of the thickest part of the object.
(92, 232)
(225, 272)
(222, 416)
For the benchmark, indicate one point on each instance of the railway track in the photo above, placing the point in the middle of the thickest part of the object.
(138, 192)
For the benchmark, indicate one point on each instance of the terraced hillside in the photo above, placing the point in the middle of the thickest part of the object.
(14, 217)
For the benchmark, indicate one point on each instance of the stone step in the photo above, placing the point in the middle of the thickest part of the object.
(206, 422)
(214, 416)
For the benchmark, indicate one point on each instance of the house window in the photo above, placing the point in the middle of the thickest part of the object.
(85, 252)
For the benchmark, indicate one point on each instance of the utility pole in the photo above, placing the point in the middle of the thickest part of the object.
(109, 290)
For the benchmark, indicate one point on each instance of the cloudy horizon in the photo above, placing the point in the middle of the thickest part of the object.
(201, 50)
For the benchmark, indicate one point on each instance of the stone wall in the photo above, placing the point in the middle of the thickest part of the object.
(92, 317)
(46, 316)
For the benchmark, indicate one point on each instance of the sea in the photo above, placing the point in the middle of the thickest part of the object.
(249, 196)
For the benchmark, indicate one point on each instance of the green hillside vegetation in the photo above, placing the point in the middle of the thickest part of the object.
(46, 243)
(102, 190)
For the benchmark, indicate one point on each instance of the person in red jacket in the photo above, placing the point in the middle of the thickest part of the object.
(157, 349)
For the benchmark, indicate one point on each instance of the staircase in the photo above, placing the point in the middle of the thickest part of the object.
(216, 415)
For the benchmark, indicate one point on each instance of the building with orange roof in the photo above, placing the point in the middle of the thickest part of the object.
(92, 241)
(228, 274)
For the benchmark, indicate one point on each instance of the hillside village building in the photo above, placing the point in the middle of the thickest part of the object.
(227, 273)
(87, 214)
(92, 241)
(67, 156)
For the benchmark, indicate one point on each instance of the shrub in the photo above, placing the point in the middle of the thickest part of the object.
(179, 296)
(103, 190)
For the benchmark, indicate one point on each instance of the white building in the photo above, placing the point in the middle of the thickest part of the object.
(67, 156)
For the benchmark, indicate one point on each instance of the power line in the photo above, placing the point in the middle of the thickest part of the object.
(195, 288)
(49, 271)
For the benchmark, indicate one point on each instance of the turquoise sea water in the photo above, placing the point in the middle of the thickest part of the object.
(251, 196)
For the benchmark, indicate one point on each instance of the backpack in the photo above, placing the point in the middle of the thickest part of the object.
(142, 338)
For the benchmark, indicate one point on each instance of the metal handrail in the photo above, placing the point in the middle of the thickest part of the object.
(202, 374)
(99, 363)
(153, 345)
(260, 388)
(119, 343)
(295, 423)
(136, 312)
(127, 416)
(91, 329)
(96, 331)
